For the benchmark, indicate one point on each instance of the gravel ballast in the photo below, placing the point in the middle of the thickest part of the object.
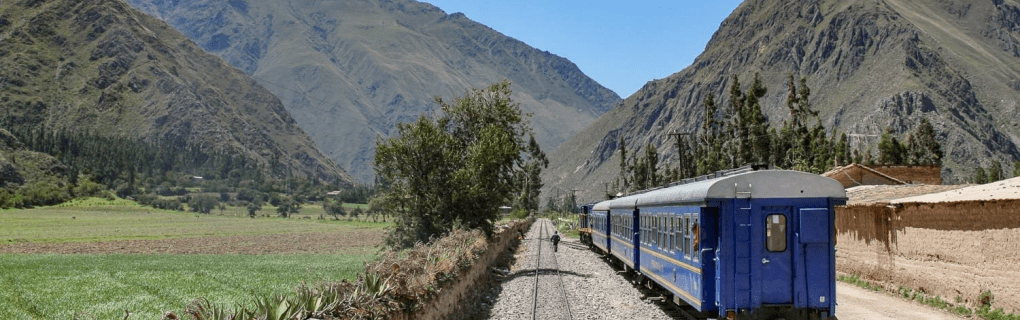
(593, 288)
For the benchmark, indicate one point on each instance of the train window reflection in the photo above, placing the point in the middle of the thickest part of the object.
(687, 237)
(696, 235)
(677, 234)
(775, 232)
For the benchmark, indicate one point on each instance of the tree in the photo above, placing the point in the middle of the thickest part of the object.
(709, 149)
(1016, 169)
(922, 147)
(454, 169)
(254, 207)
(995, 171)
(531, 177)
(979, 176)
(288, 206)
(645, 173)
(202, 203)
(891, 151)
(334, 208)
(624, 169)
(755, 144)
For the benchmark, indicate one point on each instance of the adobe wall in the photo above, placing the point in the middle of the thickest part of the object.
(912, 174)
(949, 249)
(853, 177)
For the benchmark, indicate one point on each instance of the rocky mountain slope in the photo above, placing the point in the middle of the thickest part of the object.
(349, 70)
(101, 66)
(870, 65)
(19, 166)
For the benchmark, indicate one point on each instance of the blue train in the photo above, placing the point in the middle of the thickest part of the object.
(751, 244)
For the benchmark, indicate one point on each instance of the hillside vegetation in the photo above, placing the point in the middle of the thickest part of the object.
(872, 66)
(100, 67)
(349, 71)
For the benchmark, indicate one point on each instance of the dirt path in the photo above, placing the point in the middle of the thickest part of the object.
(294, 243)
(855, 303)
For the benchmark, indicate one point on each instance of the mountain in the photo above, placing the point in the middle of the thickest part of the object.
(20, 167)
(100, 66)
(870, 65)
(349, 70)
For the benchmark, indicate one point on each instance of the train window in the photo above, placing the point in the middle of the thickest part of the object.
(626, 231)
(668, 246)
(671, 233)
(641, 230)
(665, 230)
(654, 228)
(676, 235)
(658, 231)
(662, 233)
(648, 230)
(696, 239)
(687, 237)
(775, 232)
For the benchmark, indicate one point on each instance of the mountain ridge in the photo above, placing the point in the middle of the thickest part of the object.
(101, 66)
(870, 65)
(350, 70)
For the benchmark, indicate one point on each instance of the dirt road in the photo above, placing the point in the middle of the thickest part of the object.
(855, 303)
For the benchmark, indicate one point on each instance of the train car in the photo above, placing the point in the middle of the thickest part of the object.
(599, 217)
(584, 224)
(753, 245)
(623, 215)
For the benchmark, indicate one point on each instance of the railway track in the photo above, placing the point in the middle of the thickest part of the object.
(550, 299)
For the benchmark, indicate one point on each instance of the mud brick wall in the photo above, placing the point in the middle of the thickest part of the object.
(912, 174)
(956, 249)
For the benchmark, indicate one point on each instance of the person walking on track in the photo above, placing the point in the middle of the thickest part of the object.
(555, 240)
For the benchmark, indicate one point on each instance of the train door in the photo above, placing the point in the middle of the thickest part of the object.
(776, 261)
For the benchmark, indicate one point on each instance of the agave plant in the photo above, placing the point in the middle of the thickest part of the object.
(203, 309)
(375, 285)
(274, 309)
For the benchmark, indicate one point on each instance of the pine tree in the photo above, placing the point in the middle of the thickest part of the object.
(624, 171)
(995, 171)
(755, 143)
(979, 176)
(923, 148)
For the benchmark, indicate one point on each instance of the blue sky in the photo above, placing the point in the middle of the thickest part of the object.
(620, 44)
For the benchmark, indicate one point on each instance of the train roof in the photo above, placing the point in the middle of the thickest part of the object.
(753, 184)
(601, 206)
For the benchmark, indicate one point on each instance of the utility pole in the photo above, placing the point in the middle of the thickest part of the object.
(680, 148)
(573, 198)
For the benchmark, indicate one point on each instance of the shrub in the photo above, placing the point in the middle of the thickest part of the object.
(168, 204)
(202, 204)
(146, 199)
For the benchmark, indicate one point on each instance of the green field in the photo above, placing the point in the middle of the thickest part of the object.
(98, 219)
(103, 285)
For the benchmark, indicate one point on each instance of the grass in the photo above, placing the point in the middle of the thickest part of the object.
(103, 286)
(855, 280)
(97, 219)
(984, 311)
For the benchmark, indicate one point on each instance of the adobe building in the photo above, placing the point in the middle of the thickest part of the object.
(861, 175)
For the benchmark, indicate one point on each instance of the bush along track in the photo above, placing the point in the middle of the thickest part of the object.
(959, 307)
(428, 281)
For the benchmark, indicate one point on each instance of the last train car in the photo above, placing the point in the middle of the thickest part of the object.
(753, 245)
(623, 221)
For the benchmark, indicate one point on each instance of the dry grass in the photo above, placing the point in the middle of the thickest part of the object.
(397, 285)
